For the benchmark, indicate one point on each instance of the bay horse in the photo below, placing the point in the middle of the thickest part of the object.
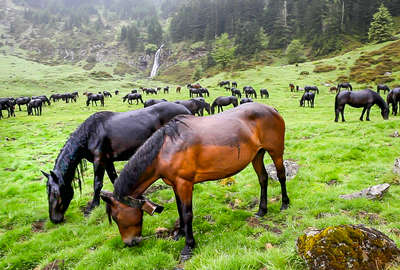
(344, 85)
(383, 87)
(223, 101)
(245, 100)
(291, 85)
(36, 105)
(103, 138)
(190, 150)
(130, 97)
(151, 102)
(311, 88)
(264, 93)
(394, 98)
(309, 97)
(178, 90)
(333, 89)
(361, 99)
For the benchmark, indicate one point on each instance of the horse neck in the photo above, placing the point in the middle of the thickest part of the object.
(381, 102)
(68, 159)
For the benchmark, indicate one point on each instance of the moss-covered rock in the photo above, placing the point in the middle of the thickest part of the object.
(347, 247)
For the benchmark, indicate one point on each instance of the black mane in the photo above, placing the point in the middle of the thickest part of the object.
(144, 156)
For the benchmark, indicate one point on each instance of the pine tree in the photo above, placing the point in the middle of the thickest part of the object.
(295, 52)
(224, 51)
(381, 28)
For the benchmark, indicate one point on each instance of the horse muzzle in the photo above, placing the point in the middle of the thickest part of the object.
(133, 242)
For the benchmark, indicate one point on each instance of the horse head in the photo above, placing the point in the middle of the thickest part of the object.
(127, 212)
(385, 112)
(59, 196)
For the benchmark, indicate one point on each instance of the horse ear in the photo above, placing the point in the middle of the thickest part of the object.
(54, 176)
(45, 174)
(107, 197)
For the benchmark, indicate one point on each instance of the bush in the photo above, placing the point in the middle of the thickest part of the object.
(295, 52)
(324, 68)
(304, 73)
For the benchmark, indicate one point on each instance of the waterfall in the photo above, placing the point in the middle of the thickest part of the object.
(156, 63)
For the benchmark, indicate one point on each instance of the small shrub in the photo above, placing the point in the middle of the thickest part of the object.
(324, 68)
(342, 78)
(304, 73)
(100, 75)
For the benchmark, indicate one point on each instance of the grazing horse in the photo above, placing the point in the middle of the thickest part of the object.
(195, 91)
(151, 102)
(131, 97)
(150, 91)
(291, 85)
(178, 89)
(345, 85)
(223, 101)
(103, 138)
(7, 104)
(43, 98)
(264, 93)
(195, 105)
(311, 88)
(394, 98)
(22, 101)
(94, 98)
(116, 92)
(234, 84)
(223, 83)
(204, 91)
(245, 100)
(362, 99)
(67, 97)
(190, 150)
(107, 94)
(309, 97)
(333, 89)
(249, 91)
(55, 97)
(236, 92)
(383, 87)
(166, 89)
(35, 104)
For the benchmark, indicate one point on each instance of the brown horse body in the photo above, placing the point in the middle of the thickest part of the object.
(190, 150)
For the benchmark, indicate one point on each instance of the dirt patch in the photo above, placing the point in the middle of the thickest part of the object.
(54, 265)
(38, 226)
(164, 233)
(9, 169)
(371, 217)
(255, 222)
(332, 182)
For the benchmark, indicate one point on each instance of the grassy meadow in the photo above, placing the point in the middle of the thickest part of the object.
(334, 159)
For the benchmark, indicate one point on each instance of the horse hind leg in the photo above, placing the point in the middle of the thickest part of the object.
(362, 114)
(258, 165)
(277, 157)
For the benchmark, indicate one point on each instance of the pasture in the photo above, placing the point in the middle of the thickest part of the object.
(334, 159)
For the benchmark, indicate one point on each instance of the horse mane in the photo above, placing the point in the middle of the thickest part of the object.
(380, 101)
(144, 156)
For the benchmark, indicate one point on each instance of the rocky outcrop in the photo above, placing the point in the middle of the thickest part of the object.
(291, 168)
(372, 193)
(396, 167)
(347, 247)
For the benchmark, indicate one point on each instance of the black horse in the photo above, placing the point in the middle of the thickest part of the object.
(383, 87)
(22, 101)
(234, 84)
(311, 88)
(245, 100)
(195, 91)
(150, 91)
(133, 91)
(249, 91)
(116, 92)
(107, 94)
(166, 90)
(151, 102)
(7, 104)
(362, 99)
(204, 91)
(309, 97)
(55, 97)
(203, 106)
(43, 98)
(36, 105)
(345, 85)
(94, 98)
(195, 105)
(67, 97)
(264, 93)
(103, 138)
(394, 98)
(131, 97)
(236, 92)
(223, 83)
(223, 101)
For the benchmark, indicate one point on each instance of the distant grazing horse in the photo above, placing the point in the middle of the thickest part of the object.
(195, 91)
(309, 97)
(43, 98)
(394, 98)
(67, 97)
(223, 83)
(234, 84)
(158, 89)
(151, 102)
(383, 87)
(150, 91)
(131, 97)
(345, 85)
(55, 97)
(133, 91)
(178, 89)
(107, 94)
(362, 99)
(76, 94)
(333, 89)
(116, 92)
(204, 91)
(223, 101)
(203, 106)
(166, 89)
(22, 101)
(190, 150)
(236, 92)
(245, 100)
(249, 91)
(264, 93)
(105, 137)
(7, 104)
(94, 98)
(311, 88)
(291, 85)
(227, 88)
(36, 105)
(193, 105)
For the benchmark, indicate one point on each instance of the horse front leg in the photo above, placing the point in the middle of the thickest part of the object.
(258, 165)
(111, 172)
(368, 110)
(97, 185)
(362, 114)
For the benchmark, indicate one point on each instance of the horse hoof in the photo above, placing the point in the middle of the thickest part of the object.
(186, 254)
(284, 206)
(261, 213)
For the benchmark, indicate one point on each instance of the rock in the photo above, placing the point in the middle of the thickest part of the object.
(395, 134)
(388, 74)
(291, 170)
(396, 167)
(372, 193)
(347, 247)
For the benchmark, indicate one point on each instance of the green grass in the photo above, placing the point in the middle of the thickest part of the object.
(355, 154)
